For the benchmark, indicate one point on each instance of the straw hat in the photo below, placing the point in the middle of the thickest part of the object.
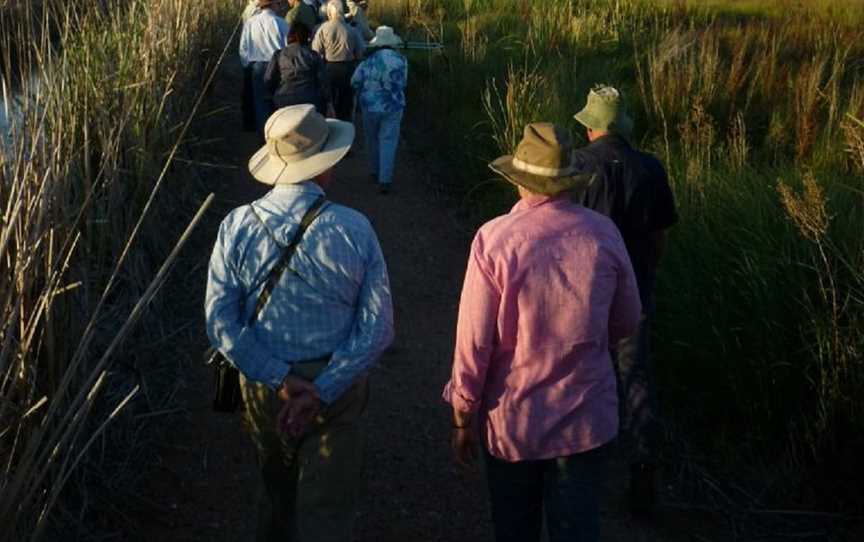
(301, 144)
(543, 161)
(385, 37)
(604, 112)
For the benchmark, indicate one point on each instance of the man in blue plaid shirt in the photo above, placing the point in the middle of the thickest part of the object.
(329, 318)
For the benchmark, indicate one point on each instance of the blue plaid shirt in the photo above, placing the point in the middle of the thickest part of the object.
(334, 297)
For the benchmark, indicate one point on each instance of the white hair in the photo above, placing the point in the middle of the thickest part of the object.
(335, 10)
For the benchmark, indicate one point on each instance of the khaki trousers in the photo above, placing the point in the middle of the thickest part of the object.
(309, 485)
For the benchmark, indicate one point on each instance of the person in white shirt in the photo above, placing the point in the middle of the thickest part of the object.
(263, 35)
(247, 104)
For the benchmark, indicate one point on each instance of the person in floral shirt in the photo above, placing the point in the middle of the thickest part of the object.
(380, 83)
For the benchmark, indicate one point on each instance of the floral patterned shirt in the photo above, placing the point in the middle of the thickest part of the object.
(380, 81)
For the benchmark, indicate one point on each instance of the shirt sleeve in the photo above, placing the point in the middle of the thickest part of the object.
(626, 309)
(476, 330)
(664, 214)
(318, 42)
(371, 333)
(245, 45)
(225, 312)
(359, 75)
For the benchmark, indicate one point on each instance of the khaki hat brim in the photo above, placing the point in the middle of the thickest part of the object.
(549, 186)
(271, 170)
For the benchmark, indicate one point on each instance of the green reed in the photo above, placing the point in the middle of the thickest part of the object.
(105, 90)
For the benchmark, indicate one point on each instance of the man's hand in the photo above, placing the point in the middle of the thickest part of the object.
(298, 413)
(293, 385)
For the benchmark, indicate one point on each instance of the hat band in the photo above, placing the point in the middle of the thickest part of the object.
(305, 153)
(540, 170)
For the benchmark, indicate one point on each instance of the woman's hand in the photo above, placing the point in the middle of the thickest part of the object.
(465, 443)
(464, 439)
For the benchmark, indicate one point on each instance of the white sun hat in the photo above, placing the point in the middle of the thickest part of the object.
(301, 144)
(385, 37)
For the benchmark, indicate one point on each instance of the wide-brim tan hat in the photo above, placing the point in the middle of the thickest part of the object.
(604, 111)
(543, 161)
(385, 37)
(301, 144)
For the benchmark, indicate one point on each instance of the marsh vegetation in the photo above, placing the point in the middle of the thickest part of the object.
(105, 90)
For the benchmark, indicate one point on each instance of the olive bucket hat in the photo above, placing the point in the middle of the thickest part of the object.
(605, 112)
(543, 161)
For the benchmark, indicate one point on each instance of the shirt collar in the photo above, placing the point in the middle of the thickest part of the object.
(297, 189)
(535, 200)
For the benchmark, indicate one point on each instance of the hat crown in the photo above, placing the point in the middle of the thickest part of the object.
(384, 32)
(384, 35)
(294, 133)
(545, 146)
(604, 104)
(605, 111)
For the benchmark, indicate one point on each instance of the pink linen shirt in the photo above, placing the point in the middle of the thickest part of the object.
(548, 287)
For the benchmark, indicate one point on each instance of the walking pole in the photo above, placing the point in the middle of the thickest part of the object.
(423, 45)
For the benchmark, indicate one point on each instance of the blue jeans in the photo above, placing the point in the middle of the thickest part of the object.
(262, 102)
(568, 489)
(637, 397)
(382, 138)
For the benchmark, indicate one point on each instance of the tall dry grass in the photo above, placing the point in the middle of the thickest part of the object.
(106, 91)
(759, 335)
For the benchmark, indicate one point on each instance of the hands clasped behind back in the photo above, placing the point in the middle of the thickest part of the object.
(302, 405)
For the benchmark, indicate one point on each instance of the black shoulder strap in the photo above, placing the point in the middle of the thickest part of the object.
(287, 253)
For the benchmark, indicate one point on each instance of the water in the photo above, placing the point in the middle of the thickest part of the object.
(11, 114)
(5, 122)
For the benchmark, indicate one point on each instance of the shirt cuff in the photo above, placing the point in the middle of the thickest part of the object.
(274, 373)
(328, 389)
(458, 400)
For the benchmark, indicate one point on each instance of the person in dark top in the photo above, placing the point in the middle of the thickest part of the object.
(632, 189)
(296, 74)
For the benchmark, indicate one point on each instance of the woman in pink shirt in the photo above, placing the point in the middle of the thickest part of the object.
(548, 288)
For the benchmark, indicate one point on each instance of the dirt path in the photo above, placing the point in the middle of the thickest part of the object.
(203, 485)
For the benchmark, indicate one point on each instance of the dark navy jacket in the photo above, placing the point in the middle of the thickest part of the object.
(296, 75)
(632, 189)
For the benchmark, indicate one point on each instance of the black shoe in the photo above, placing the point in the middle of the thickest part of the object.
(642, 490)
(384, 189)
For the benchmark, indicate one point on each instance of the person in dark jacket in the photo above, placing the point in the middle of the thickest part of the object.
(632, 189)
(296, 74)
